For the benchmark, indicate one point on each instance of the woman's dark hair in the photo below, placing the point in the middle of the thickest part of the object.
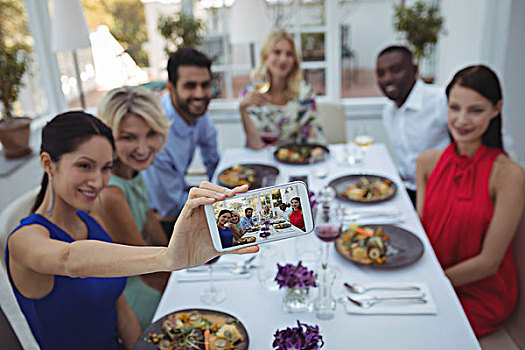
(297, 199)
(64, 134)
(484, 81)
(224, 211)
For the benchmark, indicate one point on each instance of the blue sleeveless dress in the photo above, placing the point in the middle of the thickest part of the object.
(78, 313)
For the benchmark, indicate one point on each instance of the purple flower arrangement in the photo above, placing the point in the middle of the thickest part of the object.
(292, 276)
(265, 231)
(302, 337)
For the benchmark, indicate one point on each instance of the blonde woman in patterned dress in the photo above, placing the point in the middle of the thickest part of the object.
(288, 108)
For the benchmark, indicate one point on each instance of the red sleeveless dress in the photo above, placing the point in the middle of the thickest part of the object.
(456, 215)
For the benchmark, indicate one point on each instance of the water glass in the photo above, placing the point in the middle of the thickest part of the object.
(269, 257)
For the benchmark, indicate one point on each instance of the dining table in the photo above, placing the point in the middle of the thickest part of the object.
(444, 326)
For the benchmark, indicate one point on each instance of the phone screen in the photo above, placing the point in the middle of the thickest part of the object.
(271, 214)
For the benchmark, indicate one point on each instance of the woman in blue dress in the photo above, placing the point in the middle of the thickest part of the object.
(66, 272)
(225, 232)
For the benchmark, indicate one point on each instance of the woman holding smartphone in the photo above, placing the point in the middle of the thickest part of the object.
(225, 232)
(296, 216)
(66, 273)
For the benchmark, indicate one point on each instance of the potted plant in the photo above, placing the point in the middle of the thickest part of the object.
(421, 25)
(14, 131)
(179, 31)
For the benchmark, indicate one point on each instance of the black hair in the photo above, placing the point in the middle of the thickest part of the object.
(246, 210)
(224, 211)
(398, 48)
(484, 81)
(186, 56)
(297, 199)
(64, 134)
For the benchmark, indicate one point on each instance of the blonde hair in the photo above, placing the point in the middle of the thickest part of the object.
(137, 100)
(295, 77)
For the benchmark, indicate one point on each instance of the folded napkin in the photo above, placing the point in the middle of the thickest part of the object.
(391, 307)
(221, 272)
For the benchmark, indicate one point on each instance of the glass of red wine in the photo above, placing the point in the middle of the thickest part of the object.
(327, 221)
(269, 138)
(212, 295)
(328, 224)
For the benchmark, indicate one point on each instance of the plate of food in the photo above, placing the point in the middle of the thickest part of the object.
(379, 246)
(255, 175)
(192, 329)
(283, 225)
(244, 240)
(301, 153)
(364, 188)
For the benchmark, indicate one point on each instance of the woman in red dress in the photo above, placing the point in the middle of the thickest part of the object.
(470, 199)
(296, 216)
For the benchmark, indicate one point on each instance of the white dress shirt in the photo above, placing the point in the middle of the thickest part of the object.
(418, 125)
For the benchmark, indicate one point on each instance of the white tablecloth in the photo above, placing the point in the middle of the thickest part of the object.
(261, 310)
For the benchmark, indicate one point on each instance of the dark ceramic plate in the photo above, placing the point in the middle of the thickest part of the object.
(341, 183)
(156, 327)
(265, 175)
(403, 248)
(306, 148)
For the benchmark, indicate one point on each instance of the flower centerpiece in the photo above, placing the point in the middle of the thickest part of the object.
(302, 337)
(297, 280)
(265, 231)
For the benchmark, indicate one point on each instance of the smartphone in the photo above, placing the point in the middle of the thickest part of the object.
(303, 178)
(260, 216)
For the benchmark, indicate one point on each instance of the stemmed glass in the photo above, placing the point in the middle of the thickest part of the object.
(212, 295)
(362, 138)
(328, 228)
(269, 137)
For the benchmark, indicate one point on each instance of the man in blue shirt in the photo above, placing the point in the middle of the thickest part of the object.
(189, 85)
(246, 220)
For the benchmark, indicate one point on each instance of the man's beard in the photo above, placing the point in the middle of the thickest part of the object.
(183, 106)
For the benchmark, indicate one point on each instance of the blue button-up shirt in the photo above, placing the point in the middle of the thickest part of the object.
(167, 189)
(246, 223)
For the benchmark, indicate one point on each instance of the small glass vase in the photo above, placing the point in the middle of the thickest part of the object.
(297, 300)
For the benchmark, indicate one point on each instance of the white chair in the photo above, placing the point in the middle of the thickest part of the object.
(511, 336)
(333, 121)
(9, 219)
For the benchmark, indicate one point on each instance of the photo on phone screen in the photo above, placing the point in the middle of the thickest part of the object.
(259, 216)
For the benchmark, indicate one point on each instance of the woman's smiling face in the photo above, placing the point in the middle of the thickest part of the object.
(79, 176)
(469, 114)
(137, 142)
(281, 60)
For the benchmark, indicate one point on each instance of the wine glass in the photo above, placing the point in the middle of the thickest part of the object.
(262, 86)
(328, 221)
(328, 228)
(269, 137)
(212, 295)
(362, 138)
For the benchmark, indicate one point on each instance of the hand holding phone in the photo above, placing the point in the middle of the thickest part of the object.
(260, 216)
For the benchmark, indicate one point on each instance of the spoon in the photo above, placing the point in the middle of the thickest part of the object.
(358, 289)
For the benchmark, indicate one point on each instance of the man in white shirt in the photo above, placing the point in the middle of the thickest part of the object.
(283, 210)
(415, 118)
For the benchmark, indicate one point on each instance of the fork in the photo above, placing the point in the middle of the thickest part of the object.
(358, 289)
(407, 298)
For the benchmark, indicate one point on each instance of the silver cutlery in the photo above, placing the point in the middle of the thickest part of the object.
(239, 267)
(351, 215)
(408, 298)
(358, 289)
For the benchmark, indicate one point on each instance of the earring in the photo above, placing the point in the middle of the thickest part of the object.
(52, 201)
(101, 204)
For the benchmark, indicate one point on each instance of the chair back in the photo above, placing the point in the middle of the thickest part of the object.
(333, 121)
(9, 219)
(515, 325)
